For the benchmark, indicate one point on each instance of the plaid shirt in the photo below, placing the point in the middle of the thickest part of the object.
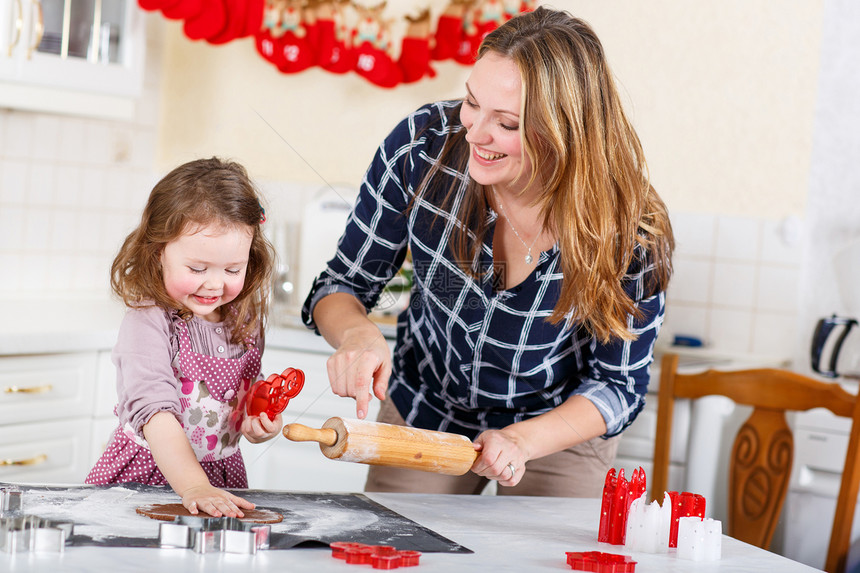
(470, 357)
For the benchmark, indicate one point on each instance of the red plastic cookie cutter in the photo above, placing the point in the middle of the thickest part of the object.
(377, 556)
(274, 393)
(600, 562)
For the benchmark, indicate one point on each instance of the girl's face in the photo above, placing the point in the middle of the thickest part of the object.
(205, 268)
(491, 115)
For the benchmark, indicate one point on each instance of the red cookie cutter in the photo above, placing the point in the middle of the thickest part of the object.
(600, 562)
(274, 393)
(377, 556)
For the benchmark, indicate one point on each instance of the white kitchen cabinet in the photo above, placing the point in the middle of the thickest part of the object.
(46, 407)
(104, 419)
(280, 464)
(820, 445)
(46, 451)
(81, 57)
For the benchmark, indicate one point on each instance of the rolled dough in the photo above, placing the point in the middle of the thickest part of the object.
(170, 511)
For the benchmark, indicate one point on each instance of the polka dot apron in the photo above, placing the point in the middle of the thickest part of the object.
(211, 390)
(212, 394)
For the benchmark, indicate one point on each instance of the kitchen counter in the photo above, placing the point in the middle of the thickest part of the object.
(80, 325)
(506, 533)
(74, 325)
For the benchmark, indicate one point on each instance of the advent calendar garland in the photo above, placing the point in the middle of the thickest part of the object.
(342, 36)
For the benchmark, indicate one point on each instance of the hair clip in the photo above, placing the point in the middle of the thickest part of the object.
(262, 215)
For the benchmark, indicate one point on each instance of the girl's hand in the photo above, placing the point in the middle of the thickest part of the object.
(216, 502)
(502, 456)
(260, 428)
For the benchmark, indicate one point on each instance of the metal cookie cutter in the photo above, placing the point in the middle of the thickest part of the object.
(214, 534)
(33, 533)
(10, 500)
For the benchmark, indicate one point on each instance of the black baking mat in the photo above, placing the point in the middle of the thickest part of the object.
(106, 516)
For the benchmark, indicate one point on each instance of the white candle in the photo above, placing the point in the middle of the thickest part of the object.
(648, 525)
(699, 539)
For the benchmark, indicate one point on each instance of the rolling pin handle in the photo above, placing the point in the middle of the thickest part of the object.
(302, 433)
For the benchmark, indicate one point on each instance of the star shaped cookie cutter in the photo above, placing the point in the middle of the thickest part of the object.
(214, 535)
(600, 562)
(22, 533)
(10, 499)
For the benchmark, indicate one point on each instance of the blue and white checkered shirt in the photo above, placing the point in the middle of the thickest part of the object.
(470, 357)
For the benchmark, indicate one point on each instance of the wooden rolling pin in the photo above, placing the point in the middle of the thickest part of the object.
(381, 444)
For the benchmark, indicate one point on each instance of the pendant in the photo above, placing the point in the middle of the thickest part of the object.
(529, 259)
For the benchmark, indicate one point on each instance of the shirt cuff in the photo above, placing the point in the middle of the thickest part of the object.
(318, 295)
(616, 412)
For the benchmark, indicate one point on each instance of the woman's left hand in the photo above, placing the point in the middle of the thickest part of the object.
(502, 456)
(260, 428)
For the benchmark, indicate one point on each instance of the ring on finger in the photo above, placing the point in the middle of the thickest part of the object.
(511, 467)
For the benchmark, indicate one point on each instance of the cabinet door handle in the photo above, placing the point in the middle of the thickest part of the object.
(43, 389)
(19, 25)
(34, 461)
(39, 26)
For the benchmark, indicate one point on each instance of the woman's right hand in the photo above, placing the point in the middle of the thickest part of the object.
(360, 365)
(216, 502)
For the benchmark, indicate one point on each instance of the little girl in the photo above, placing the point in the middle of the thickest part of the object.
(194, 275)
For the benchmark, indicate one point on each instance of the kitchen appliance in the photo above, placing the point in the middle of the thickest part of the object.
(835, 350)
(323, 222)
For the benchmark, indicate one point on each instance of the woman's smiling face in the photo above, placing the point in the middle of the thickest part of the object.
(491, 115)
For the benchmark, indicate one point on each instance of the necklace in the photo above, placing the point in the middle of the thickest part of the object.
(528, 247)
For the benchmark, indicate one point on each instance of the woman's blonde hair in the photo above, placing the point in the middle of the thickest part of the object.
(595, 190)
(195, 194)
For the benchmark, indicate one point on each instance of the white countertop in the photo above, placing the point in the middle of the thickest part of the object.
(506, 533)
(80, 325)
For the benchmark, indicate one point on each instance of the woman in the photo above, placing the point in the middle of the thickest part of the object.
(541, 254)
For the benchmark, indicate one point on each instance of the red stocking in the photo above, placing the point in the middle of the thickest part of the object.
(182, 9)
(151, 4)
(267, 46)
(448, 31)
(253, 17)
(209, 22)
(467, 49)
(295, 54)
(414, 60)
(376, 66)
(333, 55)
(237, 11)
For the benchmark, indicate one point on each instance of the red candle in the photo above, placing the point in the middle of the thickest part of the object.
(684, 504)
(618, 494)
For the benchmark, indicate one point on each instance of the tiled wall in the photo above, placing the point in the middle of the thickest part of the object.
(736, 283)
(70, 190)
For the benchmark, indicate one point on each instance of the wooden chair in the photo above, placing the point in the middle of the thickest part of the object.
(763, 451)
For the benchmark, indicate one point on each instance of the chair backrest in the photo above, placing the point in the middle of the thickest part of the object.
(763, 451)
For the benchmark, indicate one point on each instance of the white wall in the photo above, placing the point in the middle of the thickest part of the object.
(722, 94)
(833, 209)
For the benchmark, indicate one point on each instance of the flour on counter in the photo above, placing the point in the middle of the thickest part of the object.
(106, 516)
(98, 513)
